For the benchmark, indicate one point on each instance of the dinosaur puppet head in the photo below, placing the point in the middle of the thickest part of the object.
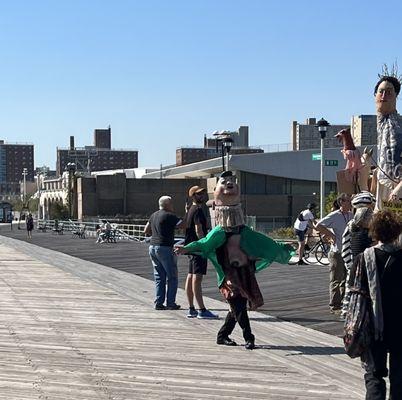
(345, 137)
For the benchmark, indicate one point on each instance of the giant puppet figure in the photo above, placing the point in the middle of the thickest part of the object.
(237, 253)
(389, 129)
(355, 178)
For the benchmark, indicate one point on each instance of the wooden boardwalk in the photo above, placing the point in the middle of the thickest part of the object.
(293, 293)
(74, 329)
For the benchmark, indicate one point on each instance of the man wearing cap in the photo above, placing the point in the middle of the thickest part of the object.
(196, 229)
(303, 222)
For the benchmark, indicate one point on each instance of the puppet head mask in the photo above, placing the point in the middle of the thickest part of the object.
(227, 191)
(385, 98)
(387, 89)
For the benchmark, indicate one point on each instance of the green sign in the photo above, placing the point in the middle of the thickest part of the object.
(316, 157)
(331, 163)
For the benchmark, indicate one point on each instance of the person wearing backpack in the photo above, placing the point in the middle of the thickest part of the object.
(381, 279)
(304, 221)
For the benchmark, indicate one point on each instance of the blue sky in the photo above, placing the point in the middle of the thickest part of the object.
(164, 73)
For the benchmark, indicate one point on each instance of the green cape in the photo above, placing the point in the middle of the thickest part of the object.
(254, 244)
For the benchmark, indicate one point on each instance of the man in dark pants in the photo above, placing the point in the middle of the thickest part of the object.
(196, 229)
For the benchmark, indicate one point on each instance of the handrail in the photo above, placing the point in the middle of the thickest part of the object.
(123, 231)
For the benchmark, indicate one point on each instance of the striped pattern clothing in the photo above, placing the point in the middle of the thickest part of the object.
(354, 241)
(346, 252)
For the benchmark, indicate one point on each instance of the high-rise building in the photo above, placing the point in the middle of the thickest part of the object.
(14, 158)
(364, 130)
(100, 157)
(188, 155)
(102, 138)
(306, 136)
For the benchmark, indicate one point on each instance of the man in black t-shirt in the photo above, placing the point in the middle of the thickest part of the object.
(196, 229)
(161, 226)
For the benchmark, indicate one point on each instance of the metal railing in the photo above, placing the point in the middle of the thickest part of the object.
(122, 231)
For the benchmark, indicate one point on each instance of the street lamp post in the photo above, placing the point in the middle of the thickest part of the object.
(24, 187)
(322, 125)
(227, 144)
(70, 167)
(226, 141)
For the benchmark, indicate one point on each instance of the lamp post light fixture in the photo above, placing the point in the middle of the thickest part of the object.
(322, 125)
(226, 141)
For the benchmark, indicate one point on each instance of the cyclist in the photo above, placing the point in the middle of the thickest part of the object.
(303, 223)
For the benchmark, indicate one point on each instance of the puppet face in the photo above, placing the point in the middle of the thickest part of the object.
(385, 98)
(227, 192)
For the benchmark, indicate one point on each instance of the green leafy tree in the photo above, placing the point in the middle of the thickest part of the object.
(329, 200)
(58, 211)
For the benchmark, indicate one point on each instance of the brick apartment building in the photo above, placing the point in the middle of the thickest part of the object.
(14, 157)
(99, 157)
(188, 155)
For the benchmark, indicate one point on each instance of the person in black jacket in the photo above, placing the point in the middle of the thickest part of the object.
(382, 279)
(30, 225)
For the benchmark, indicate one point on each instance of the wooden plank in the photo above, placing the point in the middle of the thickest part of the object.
(83, 330)
(293, 293)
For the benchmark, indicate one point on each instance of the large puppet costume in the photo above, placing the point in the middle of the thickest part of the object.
(237, 253)
(355, 177)
(389, 128)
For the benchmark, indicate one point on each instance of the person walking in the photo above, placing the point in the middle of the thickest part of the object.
(161, 226)
(197, 228)
(303, 223)
(381, 278)
(30, 225)
(332, 227)
(237, 253)
(355, 240)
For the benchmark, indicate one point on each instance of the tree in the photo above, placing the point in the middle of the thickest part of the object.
(58, 211)
(329, 201)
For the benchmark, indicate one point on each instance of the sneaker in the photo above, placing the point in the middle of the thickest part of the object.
(174, 306)
(301, 262)
(206, 314)
(160, 307)
(192, 313)
(250, 345)
(226, 342)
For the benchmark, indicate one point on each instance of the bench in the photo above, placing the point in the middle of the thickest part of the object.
(58, 229)
(79, 232)
(42, 226)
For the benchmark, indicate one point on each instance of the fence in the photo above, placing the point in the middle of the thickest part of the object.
(267, 224)
(123, 231)
(264, 224)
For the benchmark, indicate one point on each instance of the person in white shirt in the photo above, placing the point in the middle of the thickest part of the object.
(303, 222)
(332, 227)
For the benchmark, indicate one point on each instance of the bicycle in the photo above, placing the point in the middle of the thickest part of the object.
(319, 250)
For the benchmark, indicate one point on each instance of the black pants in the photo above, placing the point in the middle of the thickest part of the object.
(376, 370)
(238, 313)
